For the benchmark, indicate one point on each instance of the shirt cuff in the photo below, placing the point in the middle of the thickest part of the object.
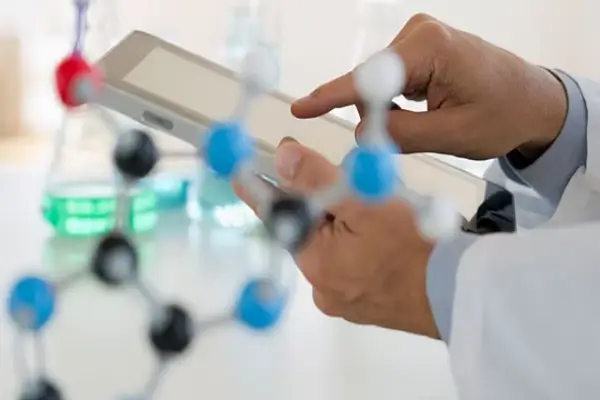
(549, 174)
(441, 279)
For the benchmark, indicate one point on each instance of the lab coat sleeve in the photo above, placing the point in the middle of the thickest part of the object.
(538, 184)
(441, 278)
(525, 316)
(525, 321)
(549, 174)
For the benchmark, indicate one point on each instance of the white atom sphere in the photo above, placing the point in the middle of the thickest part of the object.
(120, 264)
(128, 142)
(260, 68)
(84, 89)
(380, 78)
(440, 219)
(286, 230)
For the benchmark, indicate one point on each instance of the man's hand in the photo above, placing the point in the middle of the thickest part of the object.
(367, 264)
(483, 102)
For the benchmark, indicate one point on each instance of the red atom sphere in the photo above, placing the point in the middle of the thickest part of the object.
(71, 71)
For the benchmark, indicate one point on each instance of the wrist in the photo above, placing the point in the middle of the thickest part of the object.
(551, 107)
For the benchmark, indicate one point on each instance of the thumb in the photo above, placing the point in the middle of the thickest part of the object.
(304, 170)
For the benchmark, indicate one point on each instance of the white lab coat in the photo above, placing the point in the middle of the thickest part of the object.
(526, 319)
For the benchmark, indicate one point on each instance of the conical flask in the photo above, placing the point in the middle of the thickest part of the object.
(212, 198)
(103, 28)
(241, 34)
(83, 189)
(377, 23)
(174, 173)
(252, 22)
(213, 202)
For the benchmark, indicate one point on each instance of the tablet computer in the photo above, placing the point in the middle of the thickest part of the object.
(170, 89)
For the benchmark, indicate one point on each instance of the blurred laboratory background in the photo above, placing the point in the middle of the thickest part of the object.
(311, 356)
(317, 39)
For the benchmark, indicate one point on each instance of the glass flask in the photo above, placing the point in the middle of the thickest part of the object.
(213, 201)
(378, 22)
(103, 27)
(171, 179)
(81, 188)
(250, 22)
(175, 172)
(171, 189)
(241, 33)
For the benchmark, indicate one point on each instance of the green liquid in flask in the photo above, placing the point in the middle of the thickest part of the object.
(213, 200)
(88, 208)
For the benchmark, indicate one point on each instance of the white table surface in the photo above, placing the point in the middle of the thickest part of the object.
(96, 346)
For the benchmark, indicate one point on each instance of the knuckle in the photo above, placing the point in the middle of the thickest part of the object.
(325, 305)
(419, 18)
(435, 33)
(319, 90)
(304, 177)
(309, 263)
(317, 277)
(312, 174)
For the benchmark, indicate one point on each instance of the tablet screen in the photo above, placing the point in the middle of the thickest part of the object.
(205, 91)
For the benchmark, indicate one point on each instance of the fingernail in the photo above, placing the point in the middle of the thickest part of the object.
(287, 158)
(302, 100)
(308, 98)
(287, 139)
(359, 127)
(358, 130)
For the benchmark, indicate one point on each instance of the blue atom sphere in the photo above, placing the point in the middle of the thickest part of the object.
(372, 173)
(226, 148)
(258, 311)
(33, 299)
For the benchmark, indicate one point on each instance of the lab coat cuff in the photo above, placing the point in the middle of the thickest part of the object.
(441, 279)
(549, 174)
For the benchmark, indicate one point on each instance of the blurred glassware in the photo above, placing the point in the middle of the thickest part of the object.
(104, 28)
(170, 188)
(171, 178)
(80, 193)
(250, 21)
(241, 34)
(378, 22)
(213, 202)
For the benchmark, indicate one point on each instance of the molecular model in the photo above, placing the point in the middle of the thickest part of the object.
(370, 174)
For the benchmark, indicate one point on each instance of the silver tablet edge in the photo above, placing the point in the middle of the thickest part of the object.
(189, 131)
